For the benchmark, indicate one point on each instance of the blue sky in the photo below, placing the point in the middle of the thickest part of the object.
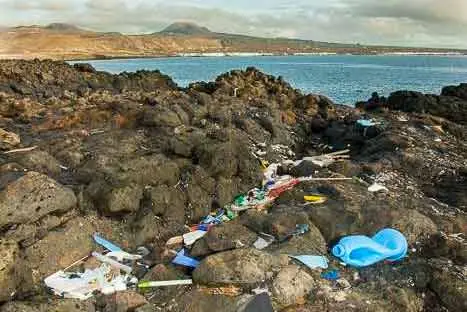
(437, 23)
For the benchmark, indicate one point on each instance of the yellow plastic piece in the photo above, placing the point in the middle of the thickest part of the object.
(315, 199)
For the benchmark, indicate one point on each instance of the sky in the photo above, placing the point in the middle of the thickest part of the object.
(429, 23)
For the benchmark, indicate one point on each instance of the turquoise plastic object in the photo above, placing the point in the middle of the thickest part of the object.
(313, 262)
(105, 243)
(362, 251)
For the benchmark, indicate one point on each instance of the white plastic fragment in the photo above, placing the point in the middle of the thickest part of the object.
(74, 288)
(122, 255)
(261, 243)
(112, 262)
(81, 286)
(313, 262)
(260, 290)
(190, 238)
(375, 187)
(165, 283)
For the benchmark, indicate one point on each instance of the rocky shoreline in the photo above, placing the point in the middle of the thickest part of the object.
(138, 159)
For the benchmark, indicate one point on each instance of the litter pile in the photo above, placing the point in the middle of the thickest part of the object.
(116, 265)
(114, 274)
(144, 162)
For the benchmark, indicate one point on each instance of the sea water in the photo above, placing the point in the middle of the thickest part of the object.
(345, 79)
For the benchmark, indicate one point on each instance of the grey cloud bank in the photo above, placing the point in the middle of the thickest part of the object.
(434, 23)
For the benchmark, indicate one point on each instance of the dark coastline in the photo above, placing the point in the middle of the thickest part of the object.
(138, 159)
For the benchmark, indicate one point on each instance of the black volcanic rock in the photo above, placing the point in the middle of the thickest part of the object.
(451, 104)
(459, 91)
(138, 159)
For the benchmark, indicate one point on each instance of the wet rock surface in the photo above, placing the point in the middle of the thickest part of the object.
(139, 159)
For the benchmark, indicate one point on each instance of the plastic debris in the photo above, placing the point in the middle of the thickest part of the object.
(122, 256)
(183, 260)
(274, 185)
(191, 237)
(270, 172)
(150, 284)
(281, 186)
(315, 199)
(201, 227)
(313, 262)
(325, 160)
(375, 187)
(111, 276)
(82, 285)
(260, 290)
(331, 275)
(264, 163)
(105, 243)
(112, 262)
(222, 215)
(255, 198)
(362, 251)
(73, 285)
(261, 243)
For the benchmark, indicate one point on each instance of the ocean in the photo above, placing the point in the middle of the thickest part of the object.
(345, 79)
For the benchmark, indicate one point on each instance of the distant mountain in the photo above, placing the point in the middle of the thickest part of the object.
(63, 27)
(185, 28)
(65, 41)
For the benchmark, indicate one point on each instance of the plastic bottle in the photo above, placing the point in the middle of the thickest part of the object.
(362, 251)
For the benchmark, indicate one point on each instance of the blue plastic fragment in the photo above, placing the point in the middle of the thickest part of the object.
(331, 275)
(183, 260)
(203, 227)
(105, 243)
(362, 251)
(313, 262)
(269, 184)
(211, 220)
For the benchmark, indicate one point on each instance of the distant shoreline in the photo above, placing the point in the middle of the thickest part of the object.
(252, 54)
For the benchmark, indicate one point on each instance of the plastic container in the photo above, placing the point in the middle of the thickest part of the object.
(362, 251)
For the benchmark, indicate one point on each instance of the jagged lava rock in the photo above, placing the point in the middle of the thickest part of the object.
(236, 266)
(32, 197)
(15, 275)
